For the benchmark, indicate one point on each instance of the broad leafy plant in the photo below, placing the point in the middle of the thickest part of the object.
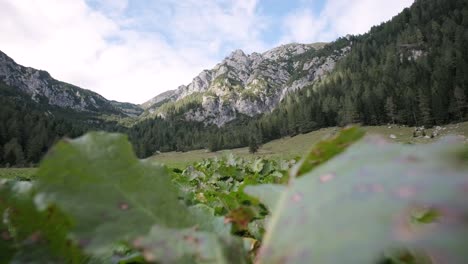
(349, 200)
(375, 202)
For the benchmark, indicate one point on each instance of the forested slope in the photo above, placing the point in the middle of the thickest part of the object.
(28, 129)
(412, 70)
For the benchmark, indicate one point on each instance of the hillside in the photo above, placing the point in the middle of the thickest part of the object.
(36, 110)
(411, 70)
(29, 128)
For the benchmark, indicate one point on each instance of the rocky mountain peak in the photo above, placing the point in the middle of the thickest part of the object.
(248, 84)
(238, 55)
(286, 51)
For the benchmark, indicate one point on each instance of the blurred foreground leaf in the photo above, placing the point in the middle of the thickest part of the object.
(373, 200)
(109, 194)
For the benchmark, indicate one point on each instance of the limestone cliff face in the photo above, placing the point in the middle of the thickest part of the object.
(46, 90)
(248, 84)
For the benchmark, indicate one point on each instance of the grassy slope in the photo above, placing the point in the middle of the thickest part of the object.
(288, 148)
(12, 173)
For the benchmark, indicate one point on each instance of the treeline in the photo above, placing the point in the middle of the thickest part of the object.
(176, 134)
(412, 70)
(27, 130)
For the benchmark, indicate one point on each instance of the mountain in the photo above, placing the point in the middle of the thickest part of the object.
(411, 70)
(45, 90)
(247, 84)
(36, 110)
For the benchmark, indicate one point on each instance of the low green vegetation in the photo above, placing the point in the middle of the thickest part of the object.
(93, 201)
(17, 173)
(411, 70)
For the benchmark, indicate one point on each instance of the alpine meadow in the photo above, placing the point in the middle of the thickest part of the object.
(349, 147)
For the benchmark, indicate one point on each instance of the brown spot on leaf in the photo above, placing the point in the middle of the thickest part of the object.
(317, 152)
(406, 192)
(149, 256)
(191, 239)
(464, 187)
(412, 159)
(327, 177)
(124, 206)
(5, 235)
(138, 242)
(50, 212)
(240, 217)
(377, 188)
(263, 251)
(35, 237)
(297, 197)
(84, 242)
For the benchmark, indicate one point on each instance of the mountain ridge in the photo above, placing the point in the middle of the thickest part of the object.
(44, 89)
(170, 93)
(244, 84)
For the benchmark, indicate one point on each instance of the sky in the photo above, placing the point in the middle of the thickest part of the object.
(133, 50)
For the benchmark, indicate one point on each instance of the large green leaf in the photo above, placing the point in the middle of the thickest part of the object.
(207, 221)
(7, 249)
(165, 245)
(29, 235)
(109, 194)
(269, 194)
(373, 200)
(209, 242)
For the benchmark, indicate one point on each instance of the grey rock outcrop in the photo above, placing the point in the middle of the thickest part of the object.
(249, 84)
(46, 90)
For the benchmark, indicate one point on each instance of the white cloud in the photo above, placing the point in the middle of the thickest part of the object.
(82, 46)
(133, 56)
(339, 18)
(302, 26)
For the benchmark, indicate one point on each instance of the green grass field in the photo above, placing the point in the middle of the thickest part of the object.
(292, 147)
(12, 173)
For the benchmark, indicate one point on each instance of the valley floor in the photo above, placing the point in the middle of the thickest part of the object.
(291, 147)
(286, 148)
